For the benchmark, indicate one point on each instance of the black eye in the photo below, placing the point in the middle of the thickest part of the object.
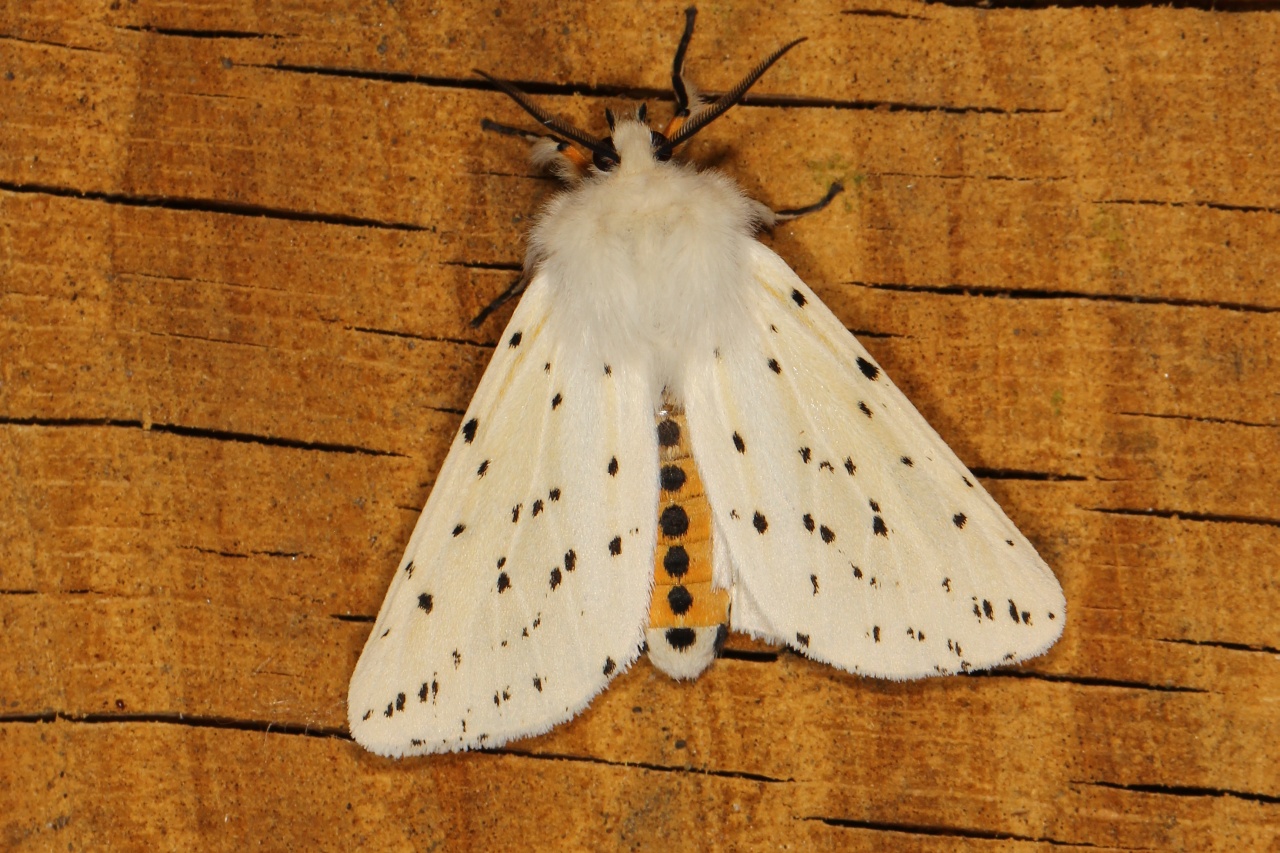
(661, 146)
(605, 157)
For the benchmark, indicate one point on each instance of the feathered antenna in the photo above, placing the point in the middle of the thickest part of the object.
(555, 124)
(704, 116)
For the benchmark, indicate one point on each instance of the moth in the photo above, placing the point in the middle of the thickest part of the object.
(675, 437)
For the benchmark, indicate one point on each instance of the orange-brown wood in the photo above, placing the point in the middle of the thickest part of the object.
(240, 248)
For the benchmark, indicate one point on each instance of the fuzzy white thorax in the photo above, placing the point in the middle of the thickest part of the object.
(647, 262)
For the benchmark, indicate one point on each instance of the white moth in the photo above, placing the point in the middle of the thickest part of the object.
(821, 510)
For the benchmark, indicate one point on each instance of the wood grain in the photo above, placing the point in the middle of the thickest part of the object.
(240, 244)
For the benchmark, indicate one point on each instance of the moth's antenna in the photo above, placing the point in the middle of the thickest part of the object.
(677, 67)
(705, 116)
(527, 135)
(554, 124)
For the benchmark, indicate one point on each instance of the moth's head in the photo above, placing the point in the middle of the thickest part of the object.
(631, 143)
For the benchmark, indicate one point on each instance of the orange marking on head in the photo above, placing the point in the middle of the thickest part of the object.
(674, 125)
(577, 158)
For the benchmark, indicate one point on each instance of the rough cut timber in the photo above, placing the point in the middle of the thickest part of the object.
(240, 244)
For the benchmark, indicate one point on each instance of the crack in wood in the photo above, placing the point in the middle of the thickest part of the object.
(1222, 644)
(657, 768)
(1182, 515)
(1084, 681)
(641, 93)
(1186, 791)
(943, 831)
(1203, 419)
(1228, 6)
(211, 205)
(1212, 205)
(986, 291)
(203, 432)
(435, 339)
(185, 720)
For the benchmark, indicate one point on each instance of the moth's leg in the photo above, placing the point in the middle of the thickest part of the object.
(680, 86)
(796, 212)
(516, 288)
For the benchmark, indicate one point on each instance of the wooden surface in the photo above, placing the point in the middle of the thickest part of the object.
(239, 246)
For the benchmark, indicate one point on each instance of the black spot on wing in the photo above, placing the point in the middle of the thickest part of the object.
(555, 577)
(554, 494)
(813, 579)
(609, 666)
(798, 298)
(672, 478)
(906, 460)
(615, 546)
(537, 507)
(613, 467)
(515, 340)
(774, 366)
(504, 582)
(469, 430)
(570, 560)
(827, 534)
(959, 520)
(556, 401)
(458, 528)
(608, 371)
(878, 527)
(849, 466)
(426, 602)
(808, 522)
(868, 369)
(483, 469)
(806, 454)
(875, 633)
(739, 444)
(863, 406)
(759, 522)
(515, 513)
(802, 639)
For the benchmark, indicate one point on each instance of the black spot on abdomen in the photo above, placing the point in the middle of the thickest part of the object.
(674, 522)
